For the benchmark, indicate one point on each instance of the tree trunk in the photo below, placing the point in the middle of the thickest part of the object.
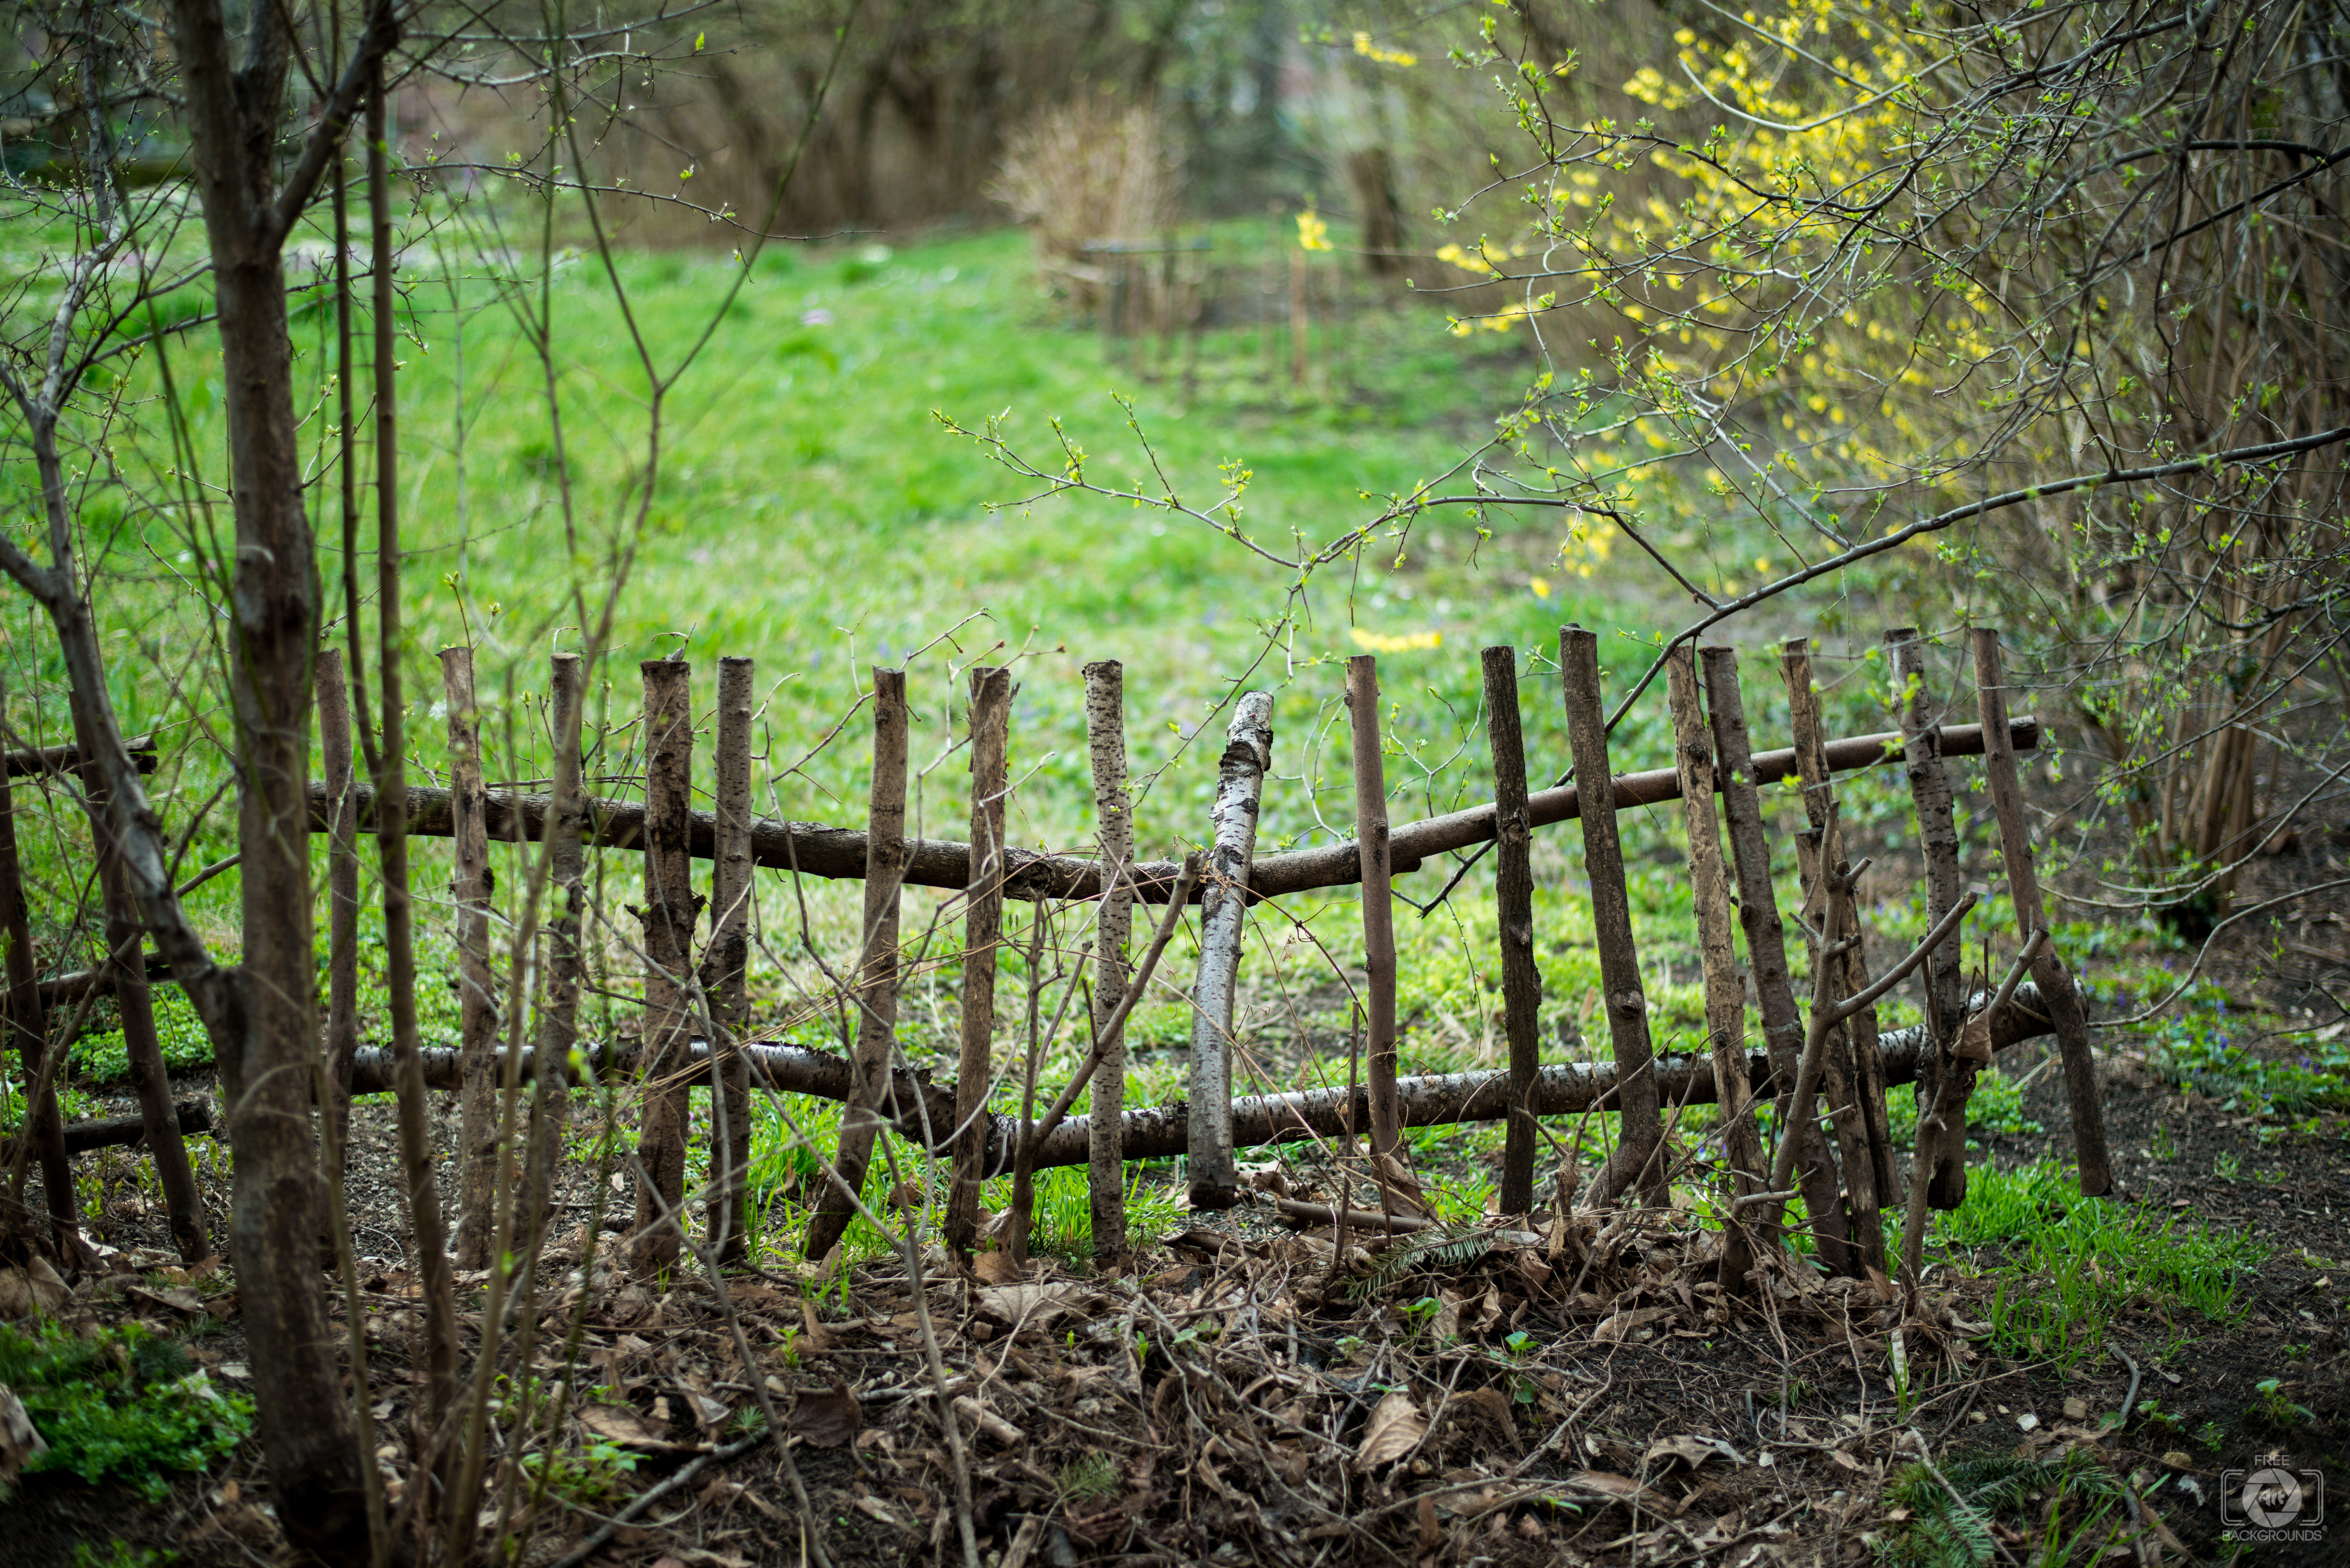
(725, 977)
(1113, 927)
(1639, 1144)
(1929, 787)
(1513, 905)
(1224, 911)
(876, 990)
(668, 921)
(27, 1031)
(477, 1004)
(983, 934)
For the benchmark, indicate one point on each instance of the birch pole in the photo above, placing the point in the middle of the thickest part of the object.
(477, 1008)
(1640, 1152)
(983, 935)
(1378, 909)
(1725, 987)
(1113, 927)
(2048, 969)
(1766, 933)
(1938, 834)
(725, 980)
(342, 906)
(558, 1022)
(1224, 911)
(877, 970)
(1513, 900)
(668, 918)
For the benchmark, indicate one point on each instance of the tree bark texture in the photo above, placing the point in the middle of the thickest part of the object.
(982, 936)
(1937, 835)
(876, 971)
(1640, 1152)
(477, 1005)
(27, 1033)
(558, 1021)
(725, 968)
(1514, 903)
(1240, 792)
(1113, 928)
(1725, 987)
(668, 921)
(1766, 944)
(1378, 905)
(2082, 1094)
(335, 744)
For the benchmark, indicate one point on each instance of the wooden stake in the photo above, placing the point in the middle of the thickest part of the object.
(1639, 1144)
(1513, 902)
(668, 919)
(1766, 935)
(477, 1007)
(2056, 988)
(725, 966)
(1113, 928)
(558, 1027)
(1224, 911)
(1725, 987)
(335, 741)
(982, 933)
(1378, 904)
(877, 970)
(1941, 1099)
(27, 1031)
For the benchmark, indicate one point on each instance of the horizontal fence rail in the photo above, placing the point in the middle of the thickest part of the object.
(818, 849)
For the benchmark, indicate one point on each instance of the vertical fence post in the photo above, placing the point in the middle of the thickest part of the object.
(1639, 1144)
(477, 1008)
(2057, 992)
(1224, 911)
(1113, 926)
(27, 1031)
(1725, 987)
(1943, 1094)
(982, 933)
(876, 994)
(342, 906)
(668, 921)
(725, 979)
(1766, 933)
(559, 1025)
(1378, 909)
(1513, 902)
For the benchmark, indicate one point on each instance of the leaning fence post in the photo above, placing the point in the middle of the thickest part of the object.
(342, 906)
(1766, 934)
(668, 919)
(477, 1008)
(1725, 988)
(27, 1030)
(558, 1026)
(876, 990)
(1113, 926)
(2057, 992)
(1378, 909)
(725, 980)
(982, 932)
(1223, 910)
(1513, 902)
(1639, 1144)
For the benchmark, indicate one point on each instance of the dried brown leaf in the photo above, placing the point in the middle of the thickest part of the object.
(1394, 1429)
(827, 1420)
(20, 1441)
(620, 1424)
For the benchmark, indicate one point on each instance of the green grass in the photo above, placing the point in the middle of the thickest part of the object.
(2069, 1509)
(119, 1403)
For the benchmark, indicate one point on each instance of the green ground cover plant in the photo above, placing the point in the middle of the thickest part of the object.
(121, 1404)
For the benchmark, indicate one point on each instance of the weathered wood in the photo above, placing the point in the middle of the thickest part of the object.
(982, 932)
(335, 743)
(817, 849)
(1725, 987)
(725, 968)
(1945, 1107)
(876, 992)
(567, 874)
(35, 761)
(477, 1004)
(1639, 1144)
(667, 945)
(1161, 1132)
(1378, 903)
(1513, 911)
(27, 1029)
(2081, 1092)
(194, 1118)
(1766, 936)
(1113, 928)
(1223, 910)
